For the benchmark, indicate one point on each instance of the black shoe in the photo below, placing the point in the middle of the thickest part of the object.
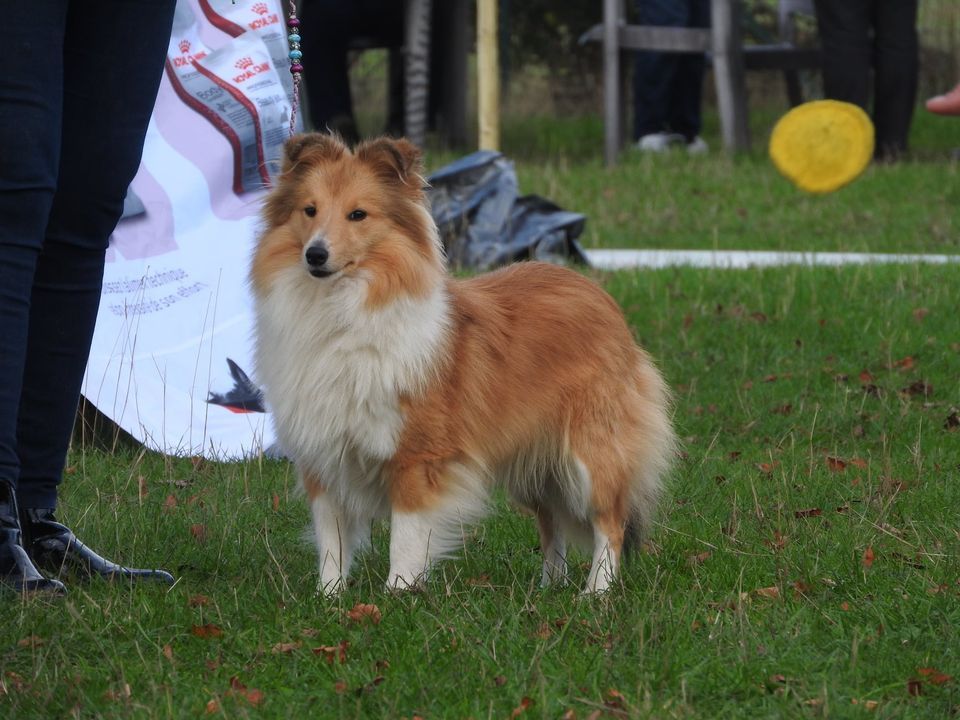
(17, 570)
(54, 547)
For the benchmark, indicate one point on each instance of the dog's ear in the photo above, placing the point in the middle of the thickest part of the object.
(312, 146)
(394, 160)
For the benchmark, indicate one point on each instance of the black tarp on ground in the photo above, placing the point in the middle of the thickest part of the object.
(484, 223)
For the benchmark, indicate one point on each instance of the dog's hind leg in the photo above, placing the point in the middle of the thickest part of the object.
(553, 545)
(605, 480)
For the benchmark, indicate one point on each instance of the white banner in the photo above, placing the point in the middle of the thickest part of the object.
(173, 340)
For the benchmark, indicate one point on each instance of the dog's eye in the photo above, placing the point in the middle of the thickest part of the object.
(357, 215)
(310, 211)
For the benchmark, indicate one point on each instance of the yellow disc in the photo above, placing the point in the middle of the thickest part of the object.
(823, 145)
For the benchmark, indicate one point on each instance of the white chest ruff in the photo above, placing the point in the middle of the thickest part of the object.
(333, 371)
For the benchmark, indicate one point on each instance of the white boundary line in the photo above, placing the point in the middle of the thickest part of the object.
(621, 259)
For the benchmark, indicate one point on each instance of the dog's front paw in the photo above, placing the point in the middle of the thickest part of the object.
(330, 587)
(405, 582)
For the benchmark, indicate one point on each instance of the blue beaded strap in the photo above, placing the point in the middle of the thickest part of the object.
(296, 61)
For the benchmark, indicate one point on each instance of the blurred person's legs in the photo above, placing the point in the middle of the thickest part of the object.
(329, 27)
(76, 129)
(896, 69)
(864, 39)
(668, 87)
(844, 28)
(30, 111)
(686, 92)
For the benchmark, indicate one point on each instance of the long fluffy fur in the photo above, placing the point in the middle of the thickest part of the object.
(401, 392)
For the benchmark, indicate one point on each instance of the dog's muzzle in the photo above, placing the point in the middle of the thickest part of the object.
(316, 256)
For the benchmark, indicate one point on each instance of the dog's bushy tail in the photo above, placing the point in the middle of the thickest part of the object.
(656, 450)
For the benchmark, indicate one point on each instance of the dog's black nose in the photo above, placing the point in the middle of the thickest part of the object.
(316, 256)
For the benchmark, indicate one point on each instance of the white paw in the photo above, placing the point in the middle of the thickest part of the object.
(405, 581)
(330, 587)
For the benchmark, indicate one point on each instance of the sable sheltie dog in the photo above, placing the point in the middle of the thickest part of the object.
(400, 392)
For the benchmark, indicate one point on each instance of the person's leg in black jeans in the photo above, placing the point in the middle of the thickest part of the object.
(75, 133)
(844, 27)
(30, 113)
(896, 70)
(329, 26)
(654, 72)
(686, 94)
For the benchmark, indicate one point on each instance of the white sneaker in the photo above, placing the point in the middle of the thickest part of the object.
(697, 146)
(659, 142)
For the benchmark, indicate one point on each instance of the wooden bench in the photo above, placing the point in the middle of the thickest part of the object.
(723, 42)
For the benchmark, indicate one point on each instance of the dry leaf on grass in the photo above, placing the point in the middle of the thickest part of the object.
(206, 631)
(934, 676)
(286, 647)
(363, 612)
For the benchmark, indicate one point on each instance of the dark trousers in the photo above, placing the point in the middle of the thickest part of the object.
(668, 87)
(879, 35)
(329, 29)
(77, 86)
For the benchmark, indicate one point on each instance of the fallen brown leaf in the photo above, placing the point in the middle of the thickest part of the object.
(809, 512)
(253, 696)
(206, 631)
(198, 601)
(836, 464)
(142, 489)
(934, 676)
(168, 652)
(31, 641)
(363, 612)
(169, 503)
(699, 558)
(286, 647)
(904, 364)
(124, 693)
(333, 652)
(525, 702)
(868, 557)
(213, 706)
(914, 687)
(767, 468)
(199, 532)
(771, 593)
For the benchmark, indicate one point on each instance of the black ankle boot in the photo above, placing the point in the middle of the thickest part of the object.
(55, 548)
(17, 570)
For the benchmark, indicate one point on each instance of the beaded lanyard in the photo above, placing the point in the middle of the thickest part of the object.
(296, 67)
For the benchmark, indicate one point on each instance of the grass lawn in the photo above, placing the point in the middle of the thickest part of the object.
(806, 562)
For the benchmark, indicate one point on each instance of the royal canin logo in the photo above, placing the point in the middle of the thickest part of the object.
(243, 63)
(186, 60)
(249, 69)
(266, 18)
